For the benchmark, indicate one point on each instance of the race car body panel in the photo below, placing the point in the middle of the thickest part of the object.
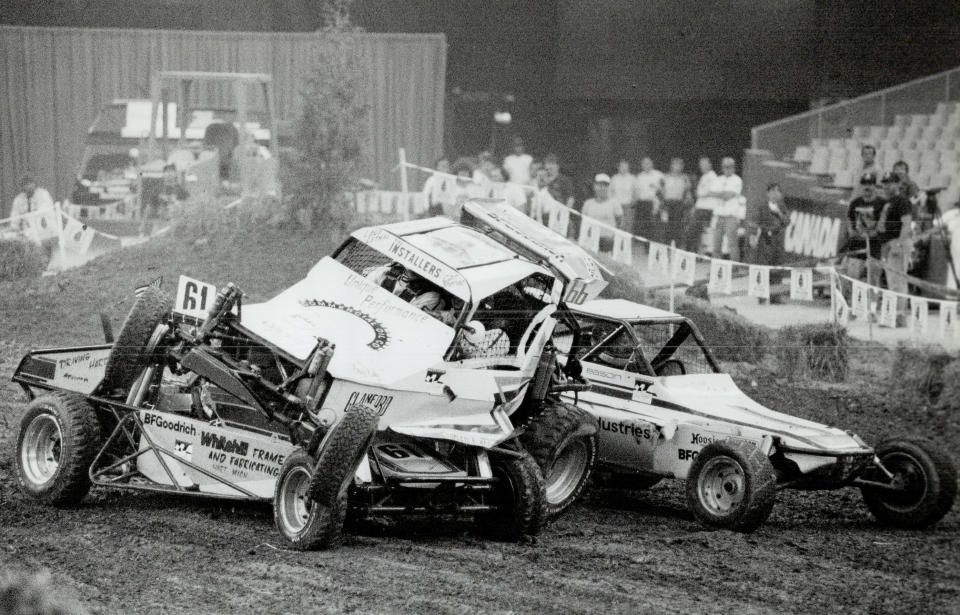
(658, 424)
(78, 369)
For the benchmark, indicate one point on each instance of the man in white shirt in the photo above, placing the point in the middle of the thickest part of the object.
(603, 208)
(702, 208)
(515, 194)
(868, 164)
(33, 198)
(727, 189)
(517, 164)
(647, 191)
(622, 185)
(438, 189)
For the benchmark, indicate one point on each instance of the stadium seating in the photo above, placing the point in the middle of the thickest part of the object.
(928, 143)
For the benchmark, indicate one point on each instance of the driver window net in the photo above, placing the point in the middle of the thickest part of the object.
(361, 258)
(658, 341)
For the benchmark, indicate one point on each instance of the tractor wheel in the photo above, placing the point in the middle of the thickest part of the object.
(562, 439)
(519, 497)
(58, 439)
(731, 486)
(129, 355)
(310, 500)
(924, 481)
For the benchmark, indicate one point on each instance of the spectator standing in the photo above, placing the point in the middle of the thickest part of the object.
(603, 208)
(622, 186)
(515, 194)
(727, 189)
(438, 189)
(868, 165)
(703, 208)
(31, 198)
(463, 186)
(560, 186)
(766, 225)
(677, 200)
(517, 164)
(649, 188)
(863, 217)
(896, 235)
(535, 169)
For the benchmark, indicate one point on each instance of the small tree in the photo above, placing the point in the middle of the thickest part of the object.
(329, 133)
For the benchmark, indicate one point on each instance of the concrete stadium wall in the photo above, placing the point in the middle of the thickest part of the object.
(53, 81)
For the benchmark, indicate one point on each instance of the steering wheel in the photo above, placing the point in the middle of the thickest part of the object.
(671, 367)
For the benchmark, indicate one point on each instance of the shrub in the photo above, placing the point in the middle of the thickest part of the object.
(919, 374)
(814, 351)
(950, 395)
(21, 259)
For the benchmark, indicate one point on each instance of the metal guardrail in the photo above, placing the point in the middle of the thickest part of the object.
(876, 108)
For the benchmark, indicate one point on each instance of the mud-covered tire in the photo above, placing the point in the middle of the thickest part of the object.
(59, 437)
(310, 499)
(731, 485)
(129, 355)
(520, 498)
(563, 441)
(928, 478)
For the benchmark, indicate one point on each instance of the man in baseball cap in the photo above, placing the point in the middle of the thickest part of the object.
(605, 210)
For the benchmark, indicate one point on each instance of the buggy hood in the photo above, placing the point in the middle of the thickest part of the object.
(379, 338)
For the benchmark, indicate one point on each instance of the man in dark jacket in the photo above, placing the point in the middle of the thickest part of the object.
(765, 230)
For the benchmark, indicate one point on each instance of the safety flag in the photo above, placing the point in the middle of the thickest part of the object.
(721, 277)
(559, 220)
(589, 238)
(623, 247)
(759, 282)
(888, 309)
(77, 237)
(659, 258)
(860, 300)
(801, 284)
(919, 315)
(841, 310)
(684, 267)
(948, 319)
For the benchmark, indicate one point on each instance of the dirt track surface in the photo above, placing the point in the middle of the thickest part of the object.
(617, 552)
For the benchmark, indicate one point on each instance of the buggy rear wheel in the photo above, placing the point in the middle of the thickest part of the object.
(923, 487)
(731, 485)
(310, 500)
(130, 354)
(562, 439)
(58, 439)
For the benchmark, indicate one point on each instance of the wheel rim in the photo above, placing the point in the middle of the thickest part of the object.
(295, 502)
(721, 485)
(567, 471)
(41, 450)
(911, 477)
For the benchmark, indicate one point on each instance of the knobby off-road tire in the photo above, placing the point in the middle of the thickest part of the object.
(928, 478)
(731, 485)
(58, 439)
(129, 355)
(520, 498)
(310, 499)
(563, 441)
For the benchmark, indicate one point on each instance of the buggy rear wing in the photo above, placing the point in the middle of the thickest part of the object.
(581, 273)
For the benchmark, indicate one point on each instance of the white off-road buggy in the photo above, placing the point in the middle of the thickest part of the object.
(665, 410)
(412, 371)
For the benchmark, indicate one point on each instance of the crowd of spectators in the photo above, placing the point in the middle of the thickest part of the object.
(706, 213)
(673, 207)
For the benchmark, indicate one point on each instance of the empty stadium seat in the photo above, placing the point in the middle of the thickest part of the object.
(818, 142)
(912, 158)
(835, 143)
(877, 133)
(894, 132)
(949, 158)
(919, 119)
(931, 133)
(901, 120)
(947, 108)
(819, 161)
(953, 120)
(861, 133)
(803, 153)
(911, 133)
(925, 144)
